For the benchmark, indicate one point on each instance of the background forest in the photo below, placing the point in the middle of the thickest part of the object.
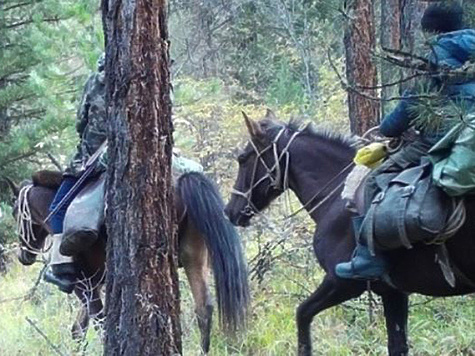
(227, 57)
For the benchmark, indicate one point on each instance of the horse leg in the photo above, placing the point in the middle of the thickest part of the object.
(395, 311)
(79, 329)
(92, 307)
(194, 257)
(96, 309)
(328, 294)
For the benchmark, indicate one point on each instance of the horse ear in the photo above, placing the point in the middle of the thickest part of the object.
(252, 126)
(271, 115)
(15, 189)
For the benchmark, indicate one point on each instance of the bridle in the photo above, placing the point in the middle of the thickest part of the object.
(274, 175)
(279, 180)
(25, 223)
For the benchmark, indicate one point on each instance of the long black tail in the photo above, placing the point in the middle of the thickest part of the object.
(205, 208)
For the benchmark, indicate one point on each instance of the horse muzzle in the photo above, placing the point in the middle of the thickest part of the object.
(240, 218)
(26, 258)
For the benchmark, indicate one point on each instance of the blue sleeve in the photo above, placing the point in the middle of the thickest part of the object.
(398, 120)
(453, 49)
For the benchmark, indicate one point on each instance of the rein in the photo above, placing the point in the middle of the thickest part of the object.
(323, 201)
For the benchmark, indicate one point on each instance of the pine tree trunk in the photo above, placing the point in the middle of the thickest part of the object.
(391, 39)
(411, 34)
(360, 70)
(412, 39)
(142, 301)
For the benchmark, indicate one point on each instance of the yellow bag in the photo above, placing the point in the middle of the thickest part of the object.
(371, 155)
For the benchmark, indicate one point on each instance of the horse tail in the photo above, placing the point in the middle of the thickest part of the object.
(205, 208)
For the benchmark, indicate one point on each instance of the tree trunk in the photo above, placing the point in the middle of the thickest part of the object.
(411, 34)
(360, 70)
(142, 301)
(390, 38)
(412, 39)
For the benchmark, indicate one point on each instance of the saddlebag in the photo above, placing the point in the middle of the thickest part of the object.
(86, 212)
(410, 209)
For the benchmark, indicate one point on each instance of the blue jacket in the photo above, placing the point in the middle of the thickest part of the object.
(451, 49)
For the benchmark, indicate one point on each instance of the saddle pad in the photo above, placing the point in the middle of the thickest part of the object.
(353, 190)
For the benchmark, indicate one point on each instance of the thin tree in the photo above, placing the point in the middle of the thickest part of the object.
(142, 302)
(361, 72)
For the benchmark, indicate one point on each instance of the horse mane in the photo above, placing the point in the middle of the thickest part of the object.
(47, 179)
(309, 129)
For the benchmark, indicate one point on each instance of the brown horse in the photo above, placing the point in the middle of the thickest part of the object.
(205, 237)
(314, 166)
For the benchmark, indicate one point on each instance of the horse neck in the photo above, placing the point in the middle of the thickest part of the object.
(314, 163)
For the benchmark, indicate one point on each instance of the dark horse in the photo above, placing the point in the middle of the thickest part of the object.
(280, 156)
(205, 237)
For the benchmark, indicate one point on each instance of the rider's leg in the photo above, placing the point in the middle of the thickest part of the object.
(364, 264)
(63, 271)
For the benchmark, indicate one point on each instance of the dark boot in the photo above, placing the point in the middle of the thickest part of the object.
(74, 244)
(363, 264)
(63, 275)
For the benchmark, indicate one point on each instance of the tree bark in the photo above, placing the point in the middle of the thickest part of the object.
(142, 301)
(361, 72)
(390, 38)
(411, 33)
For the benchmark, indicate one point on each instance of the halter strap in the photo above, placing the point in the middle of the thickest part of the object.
(280, 182)
(273, 173)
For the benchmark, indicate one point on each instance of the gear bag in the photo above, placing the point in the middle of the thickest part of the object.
(410, 209)
(86, 212)
(453, 158)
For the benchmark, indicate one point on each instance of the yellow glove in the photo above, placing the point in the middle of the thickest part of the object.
(372, 155)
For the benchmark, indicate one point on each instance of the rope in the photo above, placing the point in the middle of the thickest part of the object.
(277, 181)
(24, 222)
(454, 223)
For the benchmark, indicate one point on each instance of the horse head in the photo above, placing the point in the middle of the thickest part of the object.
(30, 209)
(263, 165)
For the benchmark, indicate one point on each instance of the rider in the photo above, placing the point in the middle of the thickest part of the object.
(91, 126)
(452, 48)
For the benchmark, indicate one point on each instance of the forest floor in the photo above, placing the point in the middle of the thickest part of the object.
(436, 326)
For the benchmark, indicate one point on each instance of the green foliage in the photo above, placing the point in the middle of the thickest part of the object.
(436, 326)
(46, 50)
(272, 49)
